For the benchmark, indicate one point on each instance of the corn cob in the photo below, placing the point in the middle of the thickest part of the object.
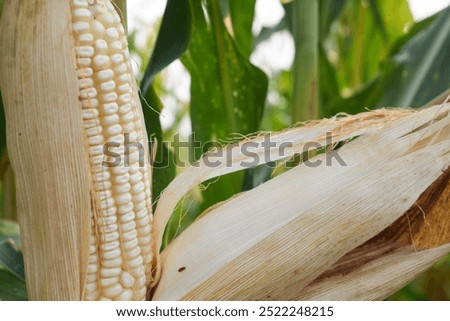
(120, 261)
(70, 94)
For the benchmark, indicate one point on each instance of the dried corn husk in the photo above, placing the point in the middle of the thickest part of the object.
(393, 258)
(44, 131)
(275, 240)
(293, 237)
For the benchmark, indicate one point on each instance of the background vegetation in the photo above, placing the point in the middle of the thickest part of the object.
(350, 56)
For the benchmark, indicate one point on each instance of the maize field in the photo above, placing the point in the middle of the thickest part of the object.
(94, 228)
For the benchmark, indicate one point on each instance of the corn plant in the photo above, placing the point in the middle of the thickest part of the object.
(359, 215)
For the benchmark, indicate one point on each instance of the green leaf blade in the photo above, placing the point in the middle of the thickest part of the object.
(173, 39)
(12, 274)
(227, 93)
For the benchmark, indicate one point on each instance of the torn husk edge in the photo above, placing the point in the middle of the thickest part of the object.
(342, 127)
(271, 242)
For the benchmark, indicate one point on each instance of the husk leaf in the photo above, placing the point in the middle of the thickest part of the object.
(44, 138)
(273, 241)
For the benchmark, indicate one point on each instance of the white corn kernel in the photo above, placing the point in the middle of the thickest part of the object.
(127, 246)
(109, 255)
(106, 19)
(80, 3)
(126, 295)
(128, 236)
(122, 188)
(110, 120)
(113, 130)
(82, 14)
(89, 103)
(105, 75)
(120, 69)
(115, 47)
(85, 72)
(113, 290)
(112, 263)
(109, 109)
(84, 52)
(108, 97)
(84, 83)
(101, 47)
(88, 93)
(81, 27)
(111, 35)
(120, 250)
(86, 39)
(105, 282)
(117, 59)
(89, 113)
(123, 199)
(108, 86)
(101, 62)
(84, 62)
(98, 30)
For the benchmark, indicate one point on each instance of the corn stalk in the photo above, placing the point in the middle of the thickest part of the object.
(359, 231)
(305, 30)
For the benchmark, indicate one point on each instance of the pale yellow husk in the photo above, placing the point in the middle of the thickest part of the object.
(377, 279)
(44, 131)
(271, 242)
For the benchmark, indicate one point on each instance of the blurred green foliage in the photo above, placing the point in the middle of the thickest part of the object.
(358, 45)
(12, 274)
(363, 49)
(227, 91)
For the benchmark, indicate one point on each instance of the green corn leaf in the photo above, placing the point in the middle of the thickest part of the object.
(12, 275)
(227, 91)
